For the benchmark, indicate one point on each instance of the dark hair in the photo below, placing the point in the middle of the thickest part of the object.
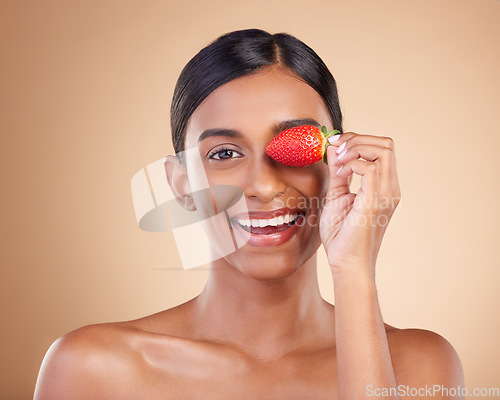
(240, 53)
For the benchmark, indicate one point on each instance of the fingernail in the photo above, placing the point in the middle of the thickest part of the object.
(333, 138)
(341, 147)
(341, 155)
(338, 171)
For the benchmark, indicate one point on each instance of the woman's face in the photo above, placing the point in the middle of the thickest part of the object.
(231, 129)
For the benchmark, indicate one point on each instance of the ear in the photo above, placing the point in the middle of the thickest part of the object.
(178, 181)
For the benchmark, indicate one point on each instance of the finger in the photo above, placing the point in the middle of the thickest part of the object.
(369, 172)
(337, 185)
(381, 155)
(352, 138)
(356, 138)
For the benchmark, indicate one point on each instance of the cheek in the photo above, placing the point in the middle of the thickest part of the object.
(226, 190)
(226, 181)
(314, 183)
(230, 176)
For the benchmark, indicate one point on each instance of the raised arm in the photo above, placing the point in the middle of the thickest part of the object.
(352, 227)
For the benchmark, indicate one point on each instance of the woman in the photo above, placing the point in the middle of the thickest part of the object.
(260, 329)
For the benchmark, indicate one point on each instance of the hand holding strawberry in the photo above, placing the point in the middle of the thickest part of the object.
(352, 225)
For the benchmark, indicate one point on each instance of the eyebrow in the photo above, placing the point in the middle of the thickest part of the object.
(292, 123)
(219, 132)
(277, 128)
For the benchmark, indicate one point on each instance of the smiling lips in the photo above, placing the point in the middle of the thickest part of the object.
(268, 228)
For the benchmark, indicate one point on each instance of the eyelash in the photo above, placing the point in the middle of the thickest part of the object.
(216, 151)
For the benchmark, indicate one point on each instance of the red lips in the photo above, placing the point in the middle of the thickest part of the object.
(267, 236)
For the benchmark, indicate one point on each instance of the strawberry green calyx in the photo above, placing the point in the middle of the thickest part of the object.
(327, 135)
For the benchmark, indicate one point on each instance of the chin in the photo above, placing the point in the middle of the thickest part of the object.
(271, 264)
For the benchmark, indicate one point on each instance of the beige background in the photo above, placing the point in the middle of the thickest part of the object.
(85, 93)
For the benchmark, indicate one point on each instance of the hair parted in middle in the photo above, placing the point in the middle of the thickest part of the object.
(241, 53)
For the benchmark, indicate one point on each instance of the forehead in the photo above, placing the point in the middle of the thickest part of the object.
(258, 101)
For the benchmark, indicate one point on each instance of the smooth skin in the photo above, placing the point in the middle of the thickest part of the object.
(260, 328)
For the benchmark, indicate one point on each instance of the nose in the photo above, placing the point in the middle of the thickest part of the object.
(264, 180)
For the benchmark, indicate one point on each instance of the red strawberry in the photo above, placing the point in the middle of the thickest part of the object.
(300, 146)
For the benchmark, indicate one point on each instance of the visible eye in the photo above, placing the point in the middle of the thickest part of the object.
(224, 154)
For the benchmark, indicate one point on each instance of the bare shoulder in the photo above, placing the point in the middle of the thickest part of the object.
(113, 359)
(78, 364)
(421, 357)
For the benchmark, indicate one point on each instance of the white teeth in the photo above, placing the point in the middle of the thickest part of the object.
(274, 221)
(261, 223)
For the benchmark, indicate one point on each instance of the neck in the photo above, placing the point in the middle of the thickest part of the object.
(264, 319)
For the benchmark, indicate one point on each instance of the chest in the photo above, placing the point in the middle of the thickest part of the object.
(308, 377)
